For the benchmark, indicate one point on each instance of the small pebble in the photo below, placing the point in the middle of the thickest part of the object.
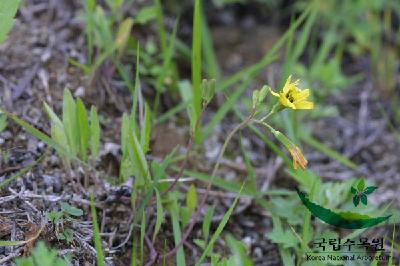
(80, 92)
(247, 241)
(258, 252)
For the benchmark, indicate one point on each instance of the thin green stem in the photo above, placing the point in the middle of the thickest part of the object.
(275, 109)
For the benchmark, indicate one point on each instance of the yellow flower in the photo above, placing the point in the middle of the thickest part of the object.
(291, 96)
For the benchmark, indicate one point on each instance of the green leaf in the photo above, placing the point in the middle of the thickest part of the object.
(53, 117)
(54, 216)
(57, 129)
(185, 215)
(123, 34)
(207, 222)
(160, 215)
(4, 243)
(20, 173)
(3, 122)
(168, 54)
(369, 190)
(70, 122)
(71, 210)
(146, 14)
(191, 198)
(224, 109)
(136, 154)
(146, 129)
(161, 27)
(361, 185)
(239, 251)
(328, 151)
(211, 65)
(278, 235)
(42, 256)
(40, 135)
(364, 199)
(176, 228)
(114, 4)
(207, 90)
(356, 200)
(94, 133)
(196, 65)
(84, 129)
(219, 229)
(8, 9)
(353, 190)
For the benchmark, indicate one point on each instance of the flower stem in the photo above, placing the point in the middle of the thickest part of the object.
(275, 109)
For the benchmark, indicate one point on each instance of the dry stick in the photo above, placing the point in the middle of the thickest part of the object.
(182, 168)
(177, 177)
(196, 215)
(184, 163)
(153, 252)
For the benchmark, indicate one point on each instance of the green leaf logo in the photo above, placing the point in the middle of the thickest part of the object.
(361, 192)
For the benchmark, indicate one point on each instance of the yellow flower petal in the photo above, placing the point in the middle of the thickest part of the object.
(274, 93)
(304, 105)
(301, 95)
(287, 85)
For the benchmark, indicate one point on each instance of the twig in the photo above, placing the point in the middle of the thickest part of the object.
(11, 256)
(153, 252)
(197, 214)
(182, 168)
(189, 148)
(10, 169)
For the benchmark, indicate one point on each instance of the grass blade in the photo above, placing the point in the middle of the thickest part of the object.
(40, 135)
(8, 10)
(329, 152)
(211, 62)
(160, 215)
(268, 57)
(167, 58)
(20, 173)
(84, 129)
(196, 65)
(96, 234)
(70, 121)
(146, 129)
(160, 26)
(219, 229)
(94, 133)
(180, 255)
(224, 109)
(4, 243)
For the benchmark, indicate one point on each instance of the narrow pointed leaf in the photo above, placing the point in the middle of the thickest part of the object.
(146, 129)
(370, 190)
(70, 122)
(364, 199)
(356, 200)
(84, 129)
(94, 133)
(361, 185)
